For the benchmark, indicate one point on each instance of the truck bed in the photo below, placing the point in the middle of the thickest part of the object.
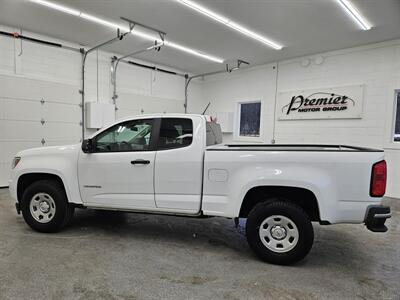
(339, 176)
(291, 147)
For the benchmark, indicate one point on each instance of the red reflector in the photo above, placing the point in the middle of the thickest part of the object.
(378, 179)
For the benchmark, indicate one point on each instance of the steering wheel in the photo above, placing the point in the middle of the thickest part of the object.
(126, 146)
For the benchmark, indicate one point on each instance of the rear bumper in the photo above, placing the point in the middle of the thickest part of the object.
(376, 216)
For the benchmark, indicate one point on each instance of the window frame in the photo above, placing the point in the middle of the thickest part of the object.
(237, 136)
(153, 136)
(159, 131)
(395, 107)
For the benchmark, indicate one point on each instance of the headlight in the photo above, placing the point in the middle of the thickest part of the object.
(15, 162)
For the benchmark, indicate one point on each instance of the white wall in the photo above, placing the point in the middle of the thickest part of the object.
(376, 66)
(30, 72)
(254, 84)
(34, 69)
(63, 66)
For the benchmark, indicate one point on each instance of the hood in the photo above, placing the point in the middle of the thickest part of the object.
(49, 150)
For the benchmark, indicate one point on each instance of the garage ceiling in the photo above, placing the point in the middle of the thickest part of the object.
(302, 26)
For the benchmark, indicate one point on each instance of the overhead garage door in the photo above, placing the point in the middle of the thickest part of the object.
(145, 91)
(35, 113)
(133, 104)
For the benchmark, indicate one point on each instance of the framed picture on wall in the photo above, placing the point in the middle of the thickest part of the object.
(248, 121)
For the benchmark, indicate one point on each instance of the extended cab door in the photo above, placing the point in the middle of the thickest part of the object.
(179, 164)
(120, 172)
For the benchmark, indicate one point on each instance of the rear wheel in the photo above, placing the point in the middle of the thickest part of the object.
(279, 232)
(45, 206)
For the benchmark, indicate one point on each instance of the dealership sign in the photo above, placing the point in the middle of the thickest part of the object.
(345, 102)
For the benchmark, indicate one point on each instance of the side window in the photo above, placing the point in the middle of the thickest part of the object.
(249, 119)
(175, 133)
(128, 136)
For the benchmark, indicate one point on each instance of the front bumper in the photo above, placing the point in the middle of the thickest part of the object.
(13, 188)
(18, 207)
(376, 216)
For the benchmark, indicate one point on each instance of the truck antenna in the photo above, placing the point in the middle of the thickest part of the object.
(209, 103)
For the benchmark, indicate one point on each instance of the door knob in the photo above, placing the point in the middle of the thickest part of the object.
(140, 162)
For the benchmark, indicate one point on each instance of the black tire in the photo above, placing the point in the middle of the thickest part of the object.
(63, 210)
(294, 213)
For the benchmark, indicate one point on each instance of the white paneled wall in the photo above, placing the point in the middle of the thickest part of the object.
(254, 84)
(30, 72)
(373, 67)
(35, 113)
(41, 83)
(376, 66)
(147, 91)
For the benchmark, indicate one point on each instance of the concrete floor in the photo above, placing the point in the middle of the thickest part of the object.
(130, 256)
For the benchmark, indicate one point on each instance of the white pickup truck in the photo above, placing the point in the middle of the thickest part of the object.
(176, 164)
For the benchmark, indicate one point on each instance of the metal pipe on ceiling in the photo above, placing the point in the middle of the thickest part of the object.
(226, 70)
(140, 65)
(152, 67)
(85, 53)
(17, 35)
(115, 62)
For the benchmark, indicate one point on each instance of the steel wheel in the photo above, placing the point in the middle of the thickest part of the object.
(42, 207)
(279, 233)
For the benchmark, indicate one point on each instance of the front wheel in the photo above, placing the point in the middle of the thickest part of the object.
(45, 206)
(279, 232)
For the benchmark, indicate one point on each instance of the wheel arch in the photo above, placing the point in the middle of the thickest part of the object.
(303, 197)
(27, 179)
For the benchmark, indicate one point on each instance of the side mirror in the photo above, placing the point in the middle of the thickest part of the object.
(87, 146)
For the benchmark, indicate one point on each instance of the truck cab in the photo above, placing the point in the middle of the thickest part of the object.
(149, 163)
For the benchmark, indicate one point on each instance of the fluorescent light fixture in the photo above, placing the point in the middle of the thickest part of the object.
(134, 32)
(194, 52)
(102, 22)
(57, 7)
(145, 35)
(227, 22)
(354, 14)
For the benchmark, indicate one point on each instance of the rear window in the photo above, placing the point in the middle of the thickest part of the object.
(175, 133)
(214, 133)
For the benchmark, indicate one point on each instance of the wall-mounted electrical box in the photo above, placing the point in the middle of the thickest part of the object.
(225, 119)
(99, 115)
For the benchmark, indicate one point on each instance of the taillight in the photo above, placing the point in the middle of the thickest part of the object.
(378, 179)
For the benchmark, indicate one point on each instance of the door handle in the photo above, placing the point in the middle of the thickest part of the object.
(140, 162)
